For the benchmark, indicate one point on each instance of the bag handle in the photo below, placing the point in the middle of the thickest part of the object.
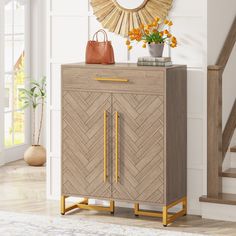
(101, 31)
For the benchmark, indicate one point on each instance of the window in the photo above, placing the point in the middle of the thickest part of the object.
(14, 71)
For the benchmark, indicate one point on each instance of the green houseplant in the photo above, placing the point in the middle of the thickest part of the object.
(35, 97)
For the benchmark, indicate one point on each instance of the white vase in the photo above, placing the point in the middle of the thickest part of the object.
(35, 155)
(156, 49)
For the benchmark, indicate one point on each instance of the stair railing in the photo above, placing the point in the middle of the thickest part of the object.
(218, 143)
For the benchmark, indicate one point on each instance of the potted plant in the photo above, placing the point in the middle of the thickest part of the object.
(156, 35)
(35, 97)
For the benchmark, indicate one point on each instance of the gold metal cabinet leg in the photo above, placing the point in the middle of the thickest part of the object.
(184, 205)
(85, 201)
(65, 209)
(136, 209)
(170, 219)
(63, 205)
(112, 207)
(139, 212)
(85, 205)
(167, 217)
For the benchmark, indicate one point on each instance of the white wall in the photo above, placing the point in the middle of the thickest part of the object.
(71, 24)
(220, 17)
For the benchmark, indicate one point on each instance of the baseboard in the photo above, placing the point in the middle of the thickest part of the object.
(14, 159)
(219, 212)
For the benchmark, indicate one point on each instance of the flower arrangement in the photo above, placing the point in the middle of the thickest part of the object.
(155, 33)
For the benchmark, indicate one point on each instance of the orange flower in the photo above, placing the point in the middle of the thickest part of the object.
(141, 26)
(146, 31)
(166, 22)
(173, 45)
(169, 35)
(130, 47)
(132, 37)
(157, 19)
(170, 23)
(161, 33)
(174, 40)
(127, 42)
(154, 31)
(166, 32)
(138, 37)
(154, 24)
(136, 31)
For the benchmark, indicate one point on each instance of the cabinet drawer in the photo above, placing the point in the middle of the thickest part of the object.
(114, 80)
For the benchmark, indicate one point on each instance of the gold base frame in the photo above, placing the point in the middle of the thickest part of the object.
(167, 218)
(84, 205)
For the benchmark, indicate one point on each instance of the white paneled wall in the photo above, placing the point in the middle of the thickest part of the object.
(71, 23)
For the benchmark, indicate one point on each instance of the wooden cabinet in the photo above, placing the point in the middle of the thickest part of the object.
(124, 133)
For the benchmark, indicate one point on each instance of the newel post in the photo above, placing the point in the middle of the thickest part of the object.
(214, 131)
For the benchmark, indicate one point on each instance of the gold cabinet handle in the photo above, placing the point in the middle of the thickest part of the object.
(105, 147)
(117, 146)
(112, 80)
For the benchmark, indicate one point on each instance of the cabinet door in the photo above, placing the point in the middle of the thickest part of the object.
(83, 143)
(138, 156)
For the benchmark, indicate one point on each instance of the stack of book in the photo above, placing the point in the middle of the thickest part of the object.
(154, 61)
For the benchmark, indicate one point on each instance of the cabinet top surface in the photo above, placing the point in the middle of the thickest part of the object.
(131, 66)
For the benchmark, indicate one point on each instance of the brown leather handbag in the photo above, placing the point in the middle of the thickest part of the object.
(99, 52)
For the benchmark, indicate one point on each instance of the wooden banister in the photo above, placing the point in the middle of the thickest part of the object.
(214, 131)
(229, 130)
(228, 46)
(218, 143)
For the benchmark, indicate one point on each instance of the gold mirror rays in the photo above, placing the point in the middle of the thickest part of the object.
(120, 20)
(132, 5)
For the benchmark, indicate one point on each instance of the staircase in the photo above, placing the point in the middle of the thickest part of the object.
(233, 149)
(221, 184)
(230, 172)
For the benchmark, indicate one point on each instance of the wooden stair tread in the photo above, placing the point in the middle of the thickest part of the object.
(231, 173)
(223, 198)
(233, 149)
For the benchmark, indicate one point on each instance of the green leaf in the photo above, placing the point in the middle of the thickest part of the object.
(32, 89)
(25, 106)
(34, 82)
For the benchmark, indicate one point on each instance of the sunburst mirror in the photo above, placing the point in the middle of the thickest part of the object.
(121, 16)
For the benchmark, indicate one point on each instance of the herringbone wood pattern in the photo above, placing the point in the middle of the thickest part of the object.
(82, 143)
(141, 157)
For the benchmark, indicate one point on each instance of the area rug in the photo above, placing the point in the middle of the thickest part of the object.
(17, 224)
